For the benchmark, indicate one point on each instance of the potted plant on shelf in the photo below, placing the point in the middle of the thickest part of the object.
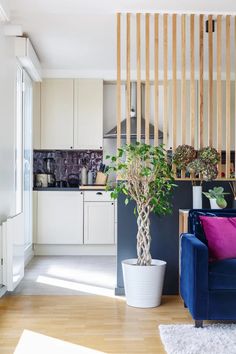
(184, 158)
(205, 167)
(201, 165)
(216, 197)
(146, 179)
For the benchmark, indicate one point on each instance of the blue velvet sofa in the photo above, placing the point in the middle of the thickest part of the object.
(208, 288)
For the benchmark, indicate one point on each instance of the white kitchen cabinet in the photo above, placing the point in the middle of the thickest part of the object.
(57, 113)
(60, 217)
(99, 223)
(88, 111)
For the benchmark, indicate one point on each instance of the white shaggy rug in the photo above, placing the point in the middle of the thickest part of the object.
(211, 339)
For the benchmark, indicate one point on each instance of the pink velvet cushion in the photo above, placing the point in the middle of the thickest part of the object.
(221, 236)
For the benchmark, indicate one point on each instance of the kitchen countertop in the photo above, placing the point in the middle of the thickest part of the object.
(56, 189)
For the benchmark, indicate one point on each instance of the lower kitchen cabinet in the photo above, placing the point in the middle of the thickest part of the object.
(99, 223)
(60, 218)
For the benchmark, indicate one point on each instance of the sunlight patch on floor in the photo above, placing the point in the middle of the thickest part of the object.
(36, 343)
(100, 275)
(90, 289)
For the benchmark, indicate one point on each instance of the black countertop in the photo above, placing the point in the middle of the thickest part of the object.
(69, 189)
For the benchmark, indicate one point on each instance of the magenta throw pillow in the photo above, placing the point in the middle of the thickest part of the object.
(220, 233)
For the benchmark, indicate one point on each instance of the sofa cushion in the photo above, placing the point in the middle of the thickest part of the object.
(195, 226)
(221, 236)
(222, 274)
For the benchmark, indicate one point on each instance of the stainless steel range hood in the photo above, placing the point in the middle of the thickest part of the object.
(112, 134)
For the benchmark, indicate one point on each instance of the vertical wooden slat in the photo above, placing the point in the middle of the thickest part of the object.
(147, 81)
(174, 87)
(118, 85)
(165, 81)
(210, 82)
(174, 82)
(183, 83)
(219, 92)
(183, 78)
(138, 33)
(128, 78)
(201, 67)
(156, 91)
(192, 82)
(227, 137)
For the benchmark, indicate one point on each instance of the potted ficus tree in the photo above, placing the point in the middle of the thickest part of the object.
(147, 179)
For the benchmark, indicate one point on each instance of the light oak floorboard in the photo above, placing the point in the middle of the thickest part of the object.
(96, 322)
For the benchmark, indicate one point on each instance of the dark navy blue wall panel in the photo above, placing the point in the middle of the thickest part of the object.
(164, 232)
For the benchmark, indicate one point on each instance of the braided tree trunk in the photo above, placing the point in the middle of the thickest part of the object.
(143, 235)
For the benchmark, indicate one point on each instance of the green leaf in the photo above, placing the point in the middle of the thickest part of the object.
(126, 201)
(221, 202)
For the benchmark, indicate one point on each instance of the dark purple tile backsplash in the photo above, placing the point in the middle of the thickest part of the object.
(67, 162)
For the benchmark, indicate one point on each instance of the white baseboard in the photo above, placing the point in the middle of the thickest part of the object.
(29, 254)
(74, 250)
(3, 290)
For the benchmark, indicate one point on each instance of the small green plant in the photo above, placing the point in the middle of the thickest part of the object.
(218, 194)
(148, 180)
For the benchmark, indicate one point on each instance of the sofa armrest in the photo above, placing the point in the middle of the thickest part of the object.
(194, 275)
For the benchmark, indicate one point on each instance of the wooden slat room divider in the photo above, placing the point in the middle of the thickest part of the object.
(186, 65)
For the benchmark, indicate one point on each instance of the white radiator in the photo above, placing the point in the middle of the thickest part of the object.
(13, 251)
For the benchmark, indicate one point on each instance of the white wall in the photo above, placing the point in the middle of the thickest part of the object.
(7, 89)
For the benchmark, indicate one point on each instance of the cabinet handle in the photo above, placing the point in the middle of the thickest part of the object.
(71, 147)
(99, 193)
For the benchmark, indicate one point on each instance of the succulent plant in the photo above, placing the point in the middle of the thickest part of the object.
(209, 155)
(218, 194)
(183, 155)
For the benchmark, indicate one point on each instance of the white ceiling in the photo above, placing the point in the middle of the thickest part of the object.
(78, 37)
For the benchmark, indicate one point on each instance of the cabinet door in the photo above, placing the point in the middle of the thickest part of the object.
(57, 114)
(88, 130)
(99, 223)
(60, 218)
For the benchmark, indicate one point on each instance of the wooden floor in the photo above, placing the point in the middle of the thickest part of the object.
(102, 323)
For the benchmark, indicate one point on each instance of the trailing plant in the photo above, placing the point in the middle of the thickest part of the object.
(148, 180)
(218, 194)
(183, 155)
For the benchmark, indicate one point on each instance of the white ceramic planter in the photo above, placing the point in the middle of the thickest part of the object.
(143, 284)
(214, 205)
(197, 197)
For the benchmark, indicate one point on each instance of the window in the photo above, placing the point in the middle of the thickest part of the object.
(19, 144)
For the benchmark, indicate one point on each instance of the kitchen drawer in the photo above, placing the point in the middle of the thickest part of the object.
(97, 196)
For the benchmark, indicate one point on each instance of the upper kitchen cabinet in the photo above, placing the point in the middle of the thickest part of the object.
(57, 113)
(88, 110)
